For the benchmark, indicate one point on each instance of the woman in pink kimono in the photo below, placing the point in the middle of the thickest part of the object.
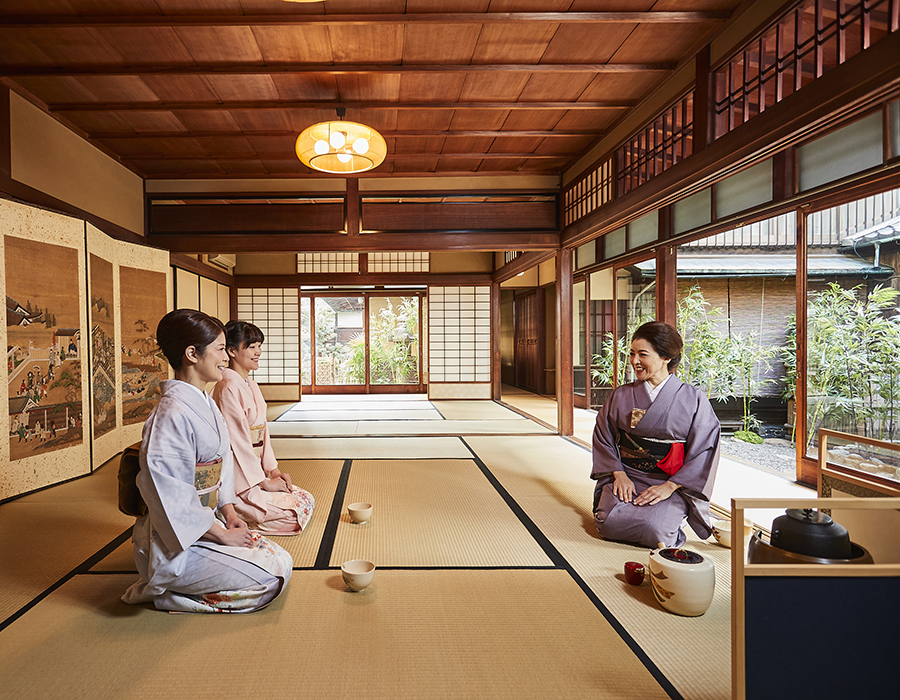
(266, 497)
(192, 550)
(655, 449)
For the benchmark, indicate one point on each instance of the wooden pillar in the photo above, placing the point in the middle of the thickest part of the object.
(5, 137)
(703, 100)
(495, 342)
(351, 207)
(565, 389)
(666, 272)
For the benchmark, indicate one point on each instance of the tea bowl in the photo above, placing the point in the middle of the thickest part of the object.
(358, 573)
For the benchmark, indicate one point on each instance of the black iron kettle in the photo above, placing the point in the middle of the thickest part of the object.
(812, 533)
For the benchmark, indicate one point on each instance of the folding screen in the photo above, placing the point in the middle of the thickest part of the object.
(42, 274)
(65, 409)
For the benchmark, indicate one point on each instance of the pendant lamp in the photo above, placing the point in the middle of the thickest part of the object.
(341, 147)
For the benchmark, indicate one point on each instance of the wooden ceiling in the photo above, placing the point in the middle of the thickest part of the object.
(222, 88)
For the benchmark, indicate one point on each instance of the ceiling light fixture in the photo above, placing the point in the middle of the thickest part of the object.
(341, 147)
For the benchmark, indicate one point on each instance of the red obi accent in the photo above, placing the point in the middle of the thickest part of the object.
(673, 461)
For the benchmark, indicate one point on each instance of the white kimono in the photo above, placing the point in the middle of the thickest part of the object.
(179, 571)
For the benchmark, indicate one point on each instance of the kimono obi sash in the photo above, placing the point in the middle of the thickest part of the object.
(256, 438)
(207, 481)
(651, 456)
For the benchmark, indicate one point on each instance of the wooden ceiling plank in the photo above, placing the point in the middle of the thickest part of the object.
(429, 86)
(367, 43)
(213, 44)
(497, 87)
(440, 44)
(513, 43)
(381, 88)
(554, 87)
(289, 46)
(150, 45)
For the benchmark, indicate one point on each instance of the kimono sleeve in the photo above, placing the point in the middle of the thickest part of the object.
(605, 452)
(166, 480)
(701, 450)
(247, 469)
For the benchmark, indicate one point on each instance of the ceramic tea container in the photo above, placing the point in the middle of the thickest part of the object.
(682, 581)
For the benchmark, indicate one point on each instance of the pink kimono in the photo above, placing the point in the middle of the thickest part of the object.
(244, 409)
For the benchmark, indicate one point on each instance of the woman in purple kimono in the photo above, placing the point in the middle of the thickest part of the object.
(656, 449)
(192, 550)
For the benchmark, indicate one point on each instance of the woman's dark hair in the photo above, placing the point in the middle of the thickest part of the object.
(180, 329)
(664, 339)
(240, 334)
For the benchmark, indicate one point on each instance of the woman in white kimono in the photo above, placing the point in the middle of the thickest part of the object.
(266, 498)
(190, 560)
(655, 449)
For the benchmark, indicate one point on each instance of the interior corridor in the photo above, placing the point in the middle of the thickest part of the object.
(491, 580)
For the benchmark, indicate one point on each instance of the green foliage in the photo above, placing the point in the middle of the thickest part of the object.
(853, 358)
(602, 365)
(725, 365)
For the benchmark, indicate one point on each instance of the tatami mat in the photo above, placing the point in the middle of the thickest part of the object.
(367, 414)
(319, 477)
(474, 410)
(412, 634)
(407, 427)
(423, 516)
(45, 535)
(374, 448)
(550, 479)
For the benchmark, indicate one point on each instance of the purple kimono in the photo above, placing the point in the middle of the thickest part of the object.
(674, 438)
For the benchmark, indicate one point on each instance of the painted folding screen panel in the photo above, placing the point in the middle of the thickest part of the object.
(143, 302)
(43, 277)
(104, 383)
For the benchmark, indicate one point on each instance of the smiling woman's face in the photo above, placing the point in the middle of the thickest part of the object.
(211, 365)
(245, 359)
(647, 364)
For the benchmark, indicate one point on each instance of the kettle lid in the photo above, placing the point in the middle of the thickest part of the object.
(810, 515)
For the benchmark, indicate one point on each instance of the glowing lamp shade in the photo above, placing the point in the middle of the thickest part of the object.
(341, 147)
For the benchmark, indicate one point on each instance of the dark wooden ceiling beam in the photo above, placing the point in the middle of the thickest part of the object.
(31, 71)
(274, 242)
(282, 155)
(288, 132)
(295, 20)
(391, 279)
(279, 105)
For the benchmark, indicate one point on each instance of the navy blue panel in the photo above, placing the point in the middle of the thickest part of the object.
(822, 638)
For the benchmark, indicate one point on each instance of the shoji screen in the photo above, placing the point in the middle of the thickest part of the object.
(277, 313)
(459, 342)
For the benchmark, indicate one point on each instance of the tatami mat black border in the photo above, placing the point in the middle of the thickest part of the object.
(82, 568)
(323, 558)
(557, 558)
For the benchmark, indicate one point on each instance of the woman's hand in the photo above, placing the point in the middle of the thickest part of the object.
(655, 494)
(623, 487)
(277, 474)
(236, 533)
(276, 484)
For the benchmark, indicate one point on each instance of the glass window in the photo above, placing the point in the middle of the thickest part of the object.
(853, 320)
(394, 340)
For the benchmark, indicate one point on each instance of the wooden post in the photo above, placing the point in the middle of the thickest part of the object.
(496, 379)
(666, 272)
(565, 389)
(352, 207)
